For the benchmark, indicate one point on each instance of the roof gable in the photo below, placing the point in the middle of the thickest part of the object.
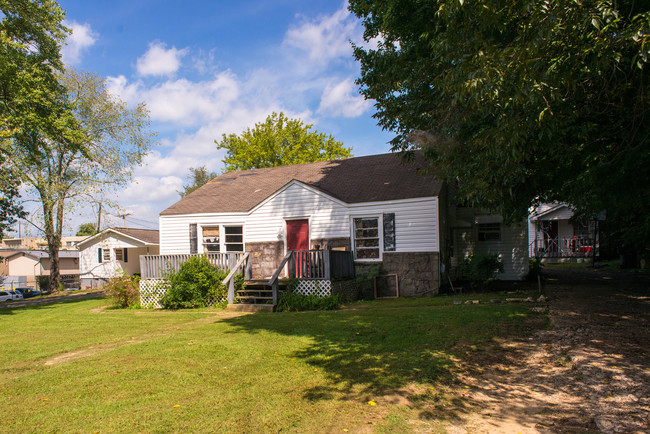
(146, 237)
(374, 178)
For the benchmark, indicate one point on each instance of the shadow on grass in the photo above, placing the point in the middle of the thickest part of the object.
(399, 354)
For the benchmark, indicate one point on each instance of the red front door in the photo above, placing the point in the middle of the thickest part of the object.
(298, 234)
(298, 239)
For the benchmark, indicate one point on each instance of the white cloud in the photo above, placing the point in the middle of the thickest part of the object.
(81, 38)
(343, 100)
(158, 60)
(326, 38)
(151, 189)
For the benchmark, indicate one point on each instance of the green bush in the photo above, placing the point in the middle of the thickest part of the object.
(481, 268)
(196, 284)
(124, 291)
(535, 266)
(292, 301)
(365, 280)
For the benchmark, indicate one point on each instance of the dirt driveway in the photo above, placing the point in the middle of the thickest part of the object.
(589, 371)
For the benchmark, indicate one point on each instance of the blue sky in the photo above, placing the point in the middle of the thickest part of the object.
(205, 68)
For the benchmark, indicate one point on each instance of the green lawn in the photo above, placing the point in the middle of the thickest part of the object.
(69, 367)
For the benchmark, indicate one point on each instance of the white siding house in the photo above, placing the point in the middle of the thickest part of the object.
(114, 252)
(382, 210)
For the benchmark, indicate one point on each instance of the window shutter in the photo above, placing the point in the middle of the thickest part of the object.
(193, 239)
(389, 232)
(99, 255)
(125, 255)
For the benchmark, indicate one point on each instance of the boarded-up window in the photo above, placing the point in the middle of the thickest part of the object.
(366, 238)
(210, 240)
(389, 232)
(193, 239)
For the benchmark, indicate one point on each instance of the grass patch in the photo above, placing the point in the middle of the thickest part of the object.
(136, 370)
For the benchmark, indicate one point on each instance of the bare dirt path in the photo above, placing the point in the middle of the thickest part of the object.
(588, 372)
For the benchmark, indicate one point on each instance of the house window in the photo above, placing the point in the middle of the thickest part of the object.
(106, 254)
(119, 254)
(211, 238)
(489, 232)
(366, 238)
(234, 238)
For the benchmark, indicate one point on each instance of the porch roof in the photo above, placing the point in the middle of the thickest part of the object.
(373, 178)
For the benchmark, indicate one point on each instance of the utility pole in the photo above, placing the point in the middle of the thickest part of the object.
(99, 218)
(124, 218)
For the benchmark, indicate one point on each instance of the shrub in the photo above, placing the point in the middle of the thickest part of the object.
(535, 266)
(481, 268)
(196, 284)
(365, 280)
(292, 301)
(124, 291)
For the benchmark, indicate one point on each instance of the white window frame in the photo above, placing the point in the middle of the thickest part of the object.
(106, 255)
(226, 243)
(380, 234)
(202, 238)
(222, 236)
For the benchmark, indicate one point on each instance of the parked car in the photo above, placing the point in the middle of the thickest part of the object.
(28, 292)
(15, 295)
(5, 296)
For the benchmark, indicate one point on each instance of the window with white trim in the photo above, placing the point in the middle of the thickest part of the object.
(211, 240)
(489, 231)
(234, 238)
(106, 254)
(366, 238)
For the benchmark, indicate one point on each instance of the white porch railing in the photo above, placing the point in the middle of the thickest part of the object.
(156, 266)
(577, 247)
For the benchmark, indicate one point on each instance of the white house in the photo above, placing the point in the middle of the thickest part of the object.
(382, 210)
(114, 252)
(552, 234)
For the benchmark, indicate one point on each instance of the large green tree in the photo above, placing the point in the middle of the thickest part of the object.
(279, 141)
(519, 101)
(62, 170)
(31, 98)
(198, 177)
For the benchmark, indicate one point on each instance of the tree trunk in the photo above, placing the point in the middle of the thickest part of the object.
(53, 229)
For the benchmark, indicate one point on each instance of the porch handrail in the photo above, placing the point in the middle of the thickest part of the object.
(575, 247)
(230, 278)
(273, 281)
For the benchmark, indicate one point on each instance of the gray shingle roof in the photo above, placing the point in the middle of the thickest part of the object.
(354, 180)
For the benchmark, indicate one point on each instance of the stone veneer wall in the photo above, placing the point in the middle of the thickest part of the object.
(266, 257)
(417, 272)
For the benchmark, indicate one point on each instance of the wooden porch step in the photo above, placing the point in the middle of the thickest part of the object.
(244, 307)
(254, 297)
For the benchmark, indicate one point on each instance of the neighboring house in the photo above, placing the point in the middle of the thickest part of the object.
(34, 263)
(382, 210)
(114, 252)
(552, 234)
(67, 243)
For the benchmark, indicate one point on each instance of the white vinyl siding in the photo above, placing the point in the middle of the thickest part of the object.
(416, 225)
(90, 267)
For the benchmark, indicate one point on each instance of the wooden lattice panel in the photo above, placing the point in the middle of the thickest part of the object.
(321, 288)
(153, 290)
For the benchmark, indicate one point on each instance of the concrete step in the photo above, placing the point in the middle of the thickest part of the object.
(244, 307)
